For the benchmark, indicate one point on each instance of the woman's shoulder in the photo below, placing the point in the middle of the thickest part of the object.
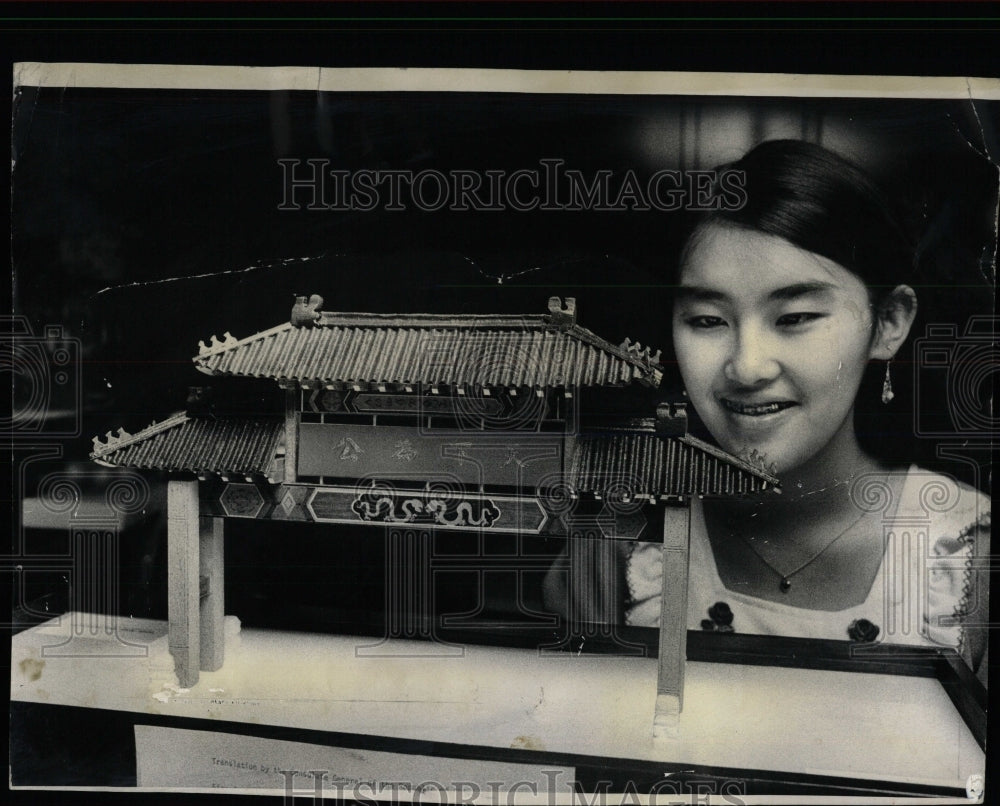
(957, 514)
(957, 597)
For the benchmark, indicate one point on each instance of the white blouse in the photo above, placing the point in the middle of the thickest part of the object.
(922, 595)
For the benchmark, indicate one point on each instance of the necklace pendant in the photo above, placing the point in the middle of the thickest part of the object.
(786, 584)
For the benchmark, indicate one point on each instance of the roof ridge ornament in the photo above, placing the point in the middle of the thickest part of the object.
(113, 441)
(640, 353)
(671, 419)
(562, 316)
(123, 438)
(216, 344)
(306, 311)
(758, 460)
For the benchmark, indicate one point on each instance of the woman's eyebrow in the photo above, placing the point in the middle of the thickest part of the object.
(697, 293)
(797, 290)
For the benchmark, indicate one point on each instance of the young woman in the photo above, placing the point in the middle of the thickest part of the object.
(782, 307)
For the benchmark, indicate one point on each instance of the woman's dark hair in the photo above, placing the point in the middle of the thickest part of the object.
(824, 204)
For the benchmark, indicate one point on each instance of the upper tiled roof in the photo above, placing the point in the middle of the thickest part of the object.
(225, 445)
(370, 350)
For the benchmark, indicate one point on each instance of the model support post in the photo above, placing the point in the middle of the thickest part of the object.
(212, 594)
(183, 547)
(673, 621)
(291, 435)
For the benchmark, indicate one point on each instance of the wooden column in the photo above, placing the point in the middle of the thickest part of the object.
(673, 621)
(212, 593)
(183, 545)
(292, 396)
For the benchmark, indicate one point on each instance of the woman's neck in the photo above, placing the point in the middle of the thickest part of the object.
(828, 471)
(821, 486)
(813, 533)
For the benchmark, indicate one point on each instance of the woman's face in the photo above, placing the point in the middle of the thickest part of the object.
(772, 342)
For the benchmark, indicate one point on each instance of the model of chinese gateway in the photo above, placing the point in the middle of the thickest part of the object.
(450, 422)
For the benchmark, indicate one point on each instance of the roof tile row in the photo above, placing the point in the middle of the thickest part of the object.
(223, 445)
(498, 353)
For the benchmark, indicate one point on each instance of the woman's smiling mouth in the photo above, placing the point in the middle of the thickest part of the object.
(755, 409)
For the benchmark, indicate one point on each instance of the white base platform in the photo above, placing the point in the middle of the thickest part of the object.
(858, 725)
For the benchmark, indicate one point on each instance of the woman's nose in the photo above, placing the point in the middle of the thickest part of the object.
(751, 361)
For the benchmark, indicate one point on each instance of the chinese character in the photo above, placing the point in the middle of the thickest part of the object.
(405, 450)
(349, 449)
(512, 456)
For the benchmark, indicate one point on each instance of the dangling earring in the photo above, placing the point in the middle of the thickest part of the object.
(887, 394)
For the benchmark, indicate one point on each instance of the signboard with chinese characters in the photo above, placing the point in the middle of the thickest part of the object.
(488, 459)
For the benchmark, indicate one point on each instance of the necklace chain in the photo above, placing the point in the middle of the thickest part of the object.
(786, 579)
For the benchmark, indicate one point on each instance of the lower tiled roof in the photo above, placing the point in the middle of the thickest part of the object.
(640, 463)
(633, 460)
(225, 445)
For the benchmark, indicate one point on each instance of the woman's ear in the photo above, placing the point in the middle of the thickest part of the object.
(894, 318)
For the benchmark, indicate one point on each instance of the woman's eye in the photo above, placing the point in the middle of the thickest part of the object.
(705, 322)
(793, 319)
